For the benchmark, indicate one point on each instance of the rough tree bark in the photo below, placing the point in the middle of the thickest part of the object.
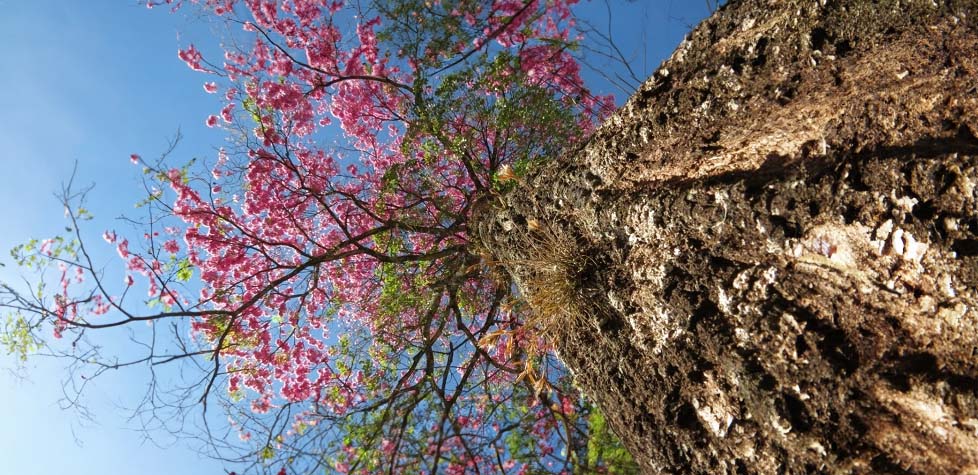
(771, 251)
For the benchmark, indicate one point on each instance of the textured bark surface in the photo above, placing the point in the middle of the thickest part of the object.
(774, 245)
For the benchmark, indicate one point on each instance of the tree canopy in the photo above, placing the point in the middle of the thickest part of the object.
(320, 271)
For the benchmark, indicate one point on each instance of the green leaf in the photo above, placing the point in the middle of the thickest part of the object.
(605, 450)
(17, 339)
(186, 270)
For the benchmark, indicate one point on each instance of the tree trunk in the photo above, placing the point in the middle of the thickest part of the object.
(766, 261)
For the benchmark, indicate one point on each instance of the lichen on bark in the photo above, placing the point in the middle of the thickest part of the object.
(779, 244)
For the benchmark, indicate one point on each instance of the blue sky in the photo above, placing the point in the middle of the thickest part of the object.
(91, 82)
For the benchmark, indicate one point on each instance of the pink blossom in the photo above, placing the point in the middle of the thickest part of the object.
(171, 246)
(211, 120)
(210, 87)
(123, 249)
(567, 406)
(226, 113)
(135, 158)
(192, 57)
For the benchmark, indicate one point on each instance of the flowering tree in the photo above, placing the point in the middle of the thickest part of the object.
(341, 308)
